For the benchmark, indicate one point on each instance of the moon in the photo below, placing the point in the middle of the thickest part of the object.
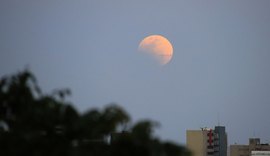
(158, 47)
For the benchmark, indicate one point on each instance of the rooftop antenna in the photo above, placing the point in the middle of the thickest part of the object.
(254, 134)
(218, 119)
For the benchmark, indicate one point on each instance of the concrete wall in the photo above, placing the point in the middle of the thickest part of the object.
(196, 142)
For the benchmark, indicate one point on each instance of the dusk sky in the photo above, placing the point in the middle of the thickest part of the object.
(219, 72)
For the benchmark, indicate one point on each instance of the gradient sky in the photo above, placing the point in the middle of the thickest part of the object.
(220, 70)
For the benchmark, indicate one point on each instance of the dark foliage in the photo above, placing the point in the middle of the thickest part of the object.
(35, 124)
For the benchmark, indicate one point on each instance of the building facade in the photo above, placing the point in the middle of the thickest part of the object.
(253, 149)
(207, 142)
(220, 144)
(260, 153)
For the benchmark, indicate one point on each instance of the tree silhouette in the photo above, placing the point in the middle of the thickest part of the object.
(37, 124)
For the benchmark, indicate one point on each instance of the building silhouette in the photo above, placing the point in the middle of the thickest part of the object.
(220, 141)
(207, 142)
(254, 148)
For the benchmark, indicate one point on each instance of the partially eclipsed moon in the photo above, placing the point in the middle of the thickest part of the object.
(157, 46)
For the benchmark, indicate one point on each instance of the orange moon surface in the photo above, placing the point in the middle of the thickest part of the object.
(157, 46)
